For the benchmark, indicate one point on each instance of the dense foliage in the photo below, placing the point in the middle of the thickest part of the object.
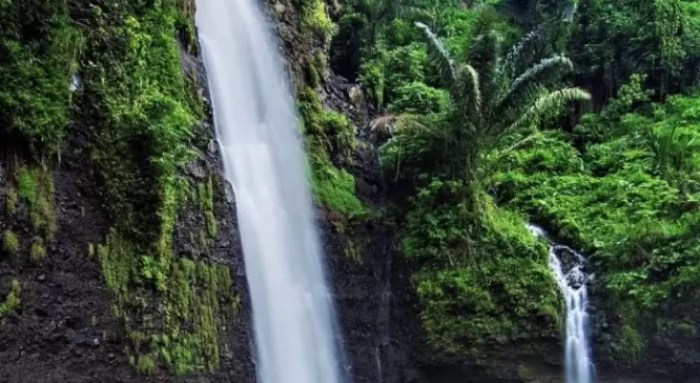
(621, 184)
(630, 198)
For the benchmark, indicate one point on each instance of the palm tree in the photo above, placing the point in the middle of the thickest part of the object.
(489, 100)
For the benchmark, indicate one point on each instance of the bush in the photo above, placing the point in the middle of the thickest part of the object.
(483, 279)
(418, 98)
(631, 204)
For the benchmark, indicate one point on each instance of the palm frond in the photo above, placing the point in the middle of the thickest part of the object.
(441, 55)
(549, 103)
(483, 56)
(547, 70)
(522, 51)
(470, 98)
(544, 70)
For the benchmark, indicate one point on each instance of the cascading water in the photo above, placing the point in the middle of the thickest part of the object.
(264, 161)
(568, 266)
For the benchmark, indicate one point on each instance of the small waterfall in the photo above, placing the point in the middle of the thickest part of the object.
(569, 270)
(256, 127)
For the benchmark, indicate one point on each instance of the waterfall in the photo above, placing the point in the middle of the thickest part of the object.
(261, 145)
(569, 270)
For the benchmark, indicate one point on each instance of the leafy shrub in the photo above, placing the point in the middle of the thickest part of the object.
(479, 273)
(418, 98)
(633, 206)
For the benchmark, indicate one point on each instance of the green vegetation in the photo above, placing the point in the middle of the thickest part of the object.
(38, 251)
(12, 300)
(664, 35)
(36, 189)
(10, 242)
(11, 201)
(630, 199)
(315, 18)
(146, 365)
(478, 142)
(473, 300)
(194, 296)
(441, 146)
(135, 113)
(329, 135)
(205, 195)
(39, 47)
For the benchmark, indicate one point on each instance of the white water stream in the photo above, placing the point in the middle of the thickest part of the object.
(571, 279)
(256, 125)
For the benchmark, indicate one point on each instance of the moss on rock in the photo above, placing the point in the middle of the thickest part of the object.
(329, 135)
(10, 242)
(12, 300)
(482, 280)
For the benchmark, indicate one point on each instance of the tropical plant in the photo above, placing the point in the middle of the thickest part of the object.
(488, 101)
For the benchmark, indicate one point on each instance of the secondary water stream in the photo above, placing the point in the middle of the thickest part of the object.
(569, 270)
(256, 125)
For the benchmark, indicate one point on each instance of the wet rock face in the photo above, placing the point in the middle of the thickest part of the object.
(64, 329)
(573, 265)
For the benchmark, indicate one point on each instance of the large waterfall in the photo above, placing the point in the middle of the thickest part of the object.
(257, 131)
(568, 267)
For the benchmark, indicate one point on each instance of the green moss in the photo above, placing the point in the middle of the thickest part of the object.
(38, 251)
(10, 242)
(335, 189)
(482, 279)
(329, 134)
(144, 112)
(11, 201)
(312, 76)
(205, 195)
(352, 251)
(26, 184)
(138, 114)
(195, 297)
(631, 344)
(146, 365)
(211, 224)
(36, 188)
(12, 300)
(315, 18)
(39, 53)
